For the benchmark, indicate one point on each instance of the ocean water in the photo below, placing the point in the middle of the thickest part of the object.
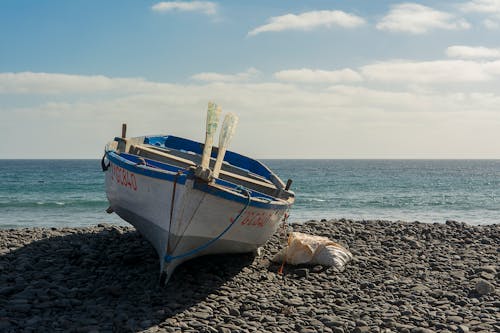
(52, 193)
(407, 190)
(59, 193)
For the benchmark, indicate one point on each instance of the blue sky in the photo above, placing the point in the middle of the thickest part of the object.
(309, 79)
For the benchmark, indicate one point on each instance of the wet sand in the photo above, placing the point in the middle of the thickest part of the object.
(405, 277)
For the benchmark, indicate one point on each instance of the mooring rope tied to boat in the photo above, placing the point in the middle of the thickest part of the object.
(286, 235)
(169, 258)
(177, 175)
(189, 221)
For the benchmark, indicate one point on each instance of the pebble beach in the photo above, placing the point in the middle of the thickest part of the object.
(405, 277)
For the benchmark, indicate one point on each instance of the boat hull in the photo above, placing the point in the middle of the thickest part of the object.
(183, 217)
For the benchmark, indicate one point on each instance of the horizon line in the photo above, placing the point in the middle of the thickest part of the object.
(273, 158)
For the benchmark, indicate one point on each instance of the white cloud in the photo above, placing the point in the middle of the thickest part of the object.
(218, 77)
(337, 121)
(309, 21)
(307, 75)
(55, 83)
(471, 52)
(206, 7)
(491, 8)
(429, 72)
(481, 6)
(418, 19)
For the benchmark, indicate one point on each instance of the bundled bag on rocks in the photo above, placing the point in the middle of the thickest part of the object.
(315, 250)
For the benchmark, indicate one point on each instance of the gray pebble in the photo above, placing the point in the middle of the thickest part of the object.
(302, 272)
(484, 287)
(362, 329)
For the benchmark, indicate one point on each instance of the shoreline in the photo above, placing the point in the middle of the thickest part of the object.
(405, 277)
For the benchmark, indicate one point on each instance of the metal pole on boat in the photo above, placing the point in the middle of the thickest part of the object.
(213, 113)
(225, 136)
(124, 130)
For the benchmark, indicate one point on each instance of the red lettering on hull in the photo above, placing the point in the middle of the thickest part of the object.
(123, 177)
(258, 219)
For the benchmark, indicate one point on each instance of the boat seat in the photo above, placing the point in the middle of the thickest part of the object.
(162, 156)
(196, 158)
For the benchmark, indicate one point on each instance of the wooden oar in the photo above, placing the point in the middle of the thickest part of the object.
(225, 136)
(213, 114)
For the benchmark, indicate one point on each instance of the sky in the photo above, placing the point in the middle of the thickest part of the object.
(308, 79)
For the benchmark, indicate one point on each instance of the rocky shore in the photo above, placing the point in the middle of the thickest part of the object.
(405, 277)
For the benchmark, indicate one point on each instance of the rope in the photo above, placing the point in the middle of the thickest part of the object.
(179, 172)
(186, 225)
(169, 258)
(285, 254)
(103, 164)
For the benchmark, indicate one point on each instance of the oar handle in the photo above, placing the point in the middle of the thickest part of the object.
(213, 114)
(226, 134)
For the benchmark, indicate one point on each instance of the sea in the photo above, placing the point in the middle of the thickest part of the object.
(58, 193)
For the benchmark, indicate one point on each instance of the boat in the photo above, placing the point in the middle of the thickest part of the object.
(189, 198)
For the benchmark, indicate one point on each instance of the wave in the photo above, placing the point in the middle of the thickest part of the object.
(53, 204)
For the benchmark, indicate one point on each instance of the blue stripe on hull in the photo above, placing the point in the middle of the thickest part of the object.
(133, 167)
(201, 186)
(207, 188)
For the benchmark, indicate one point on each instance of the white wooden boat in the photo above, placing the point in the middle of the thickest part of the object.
(164, 188)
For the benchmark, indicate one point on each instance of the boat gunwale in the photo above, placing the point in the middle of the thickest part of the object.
(218, 190)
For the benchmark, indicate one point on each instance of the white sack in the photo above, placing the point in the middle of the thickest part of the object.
(315, 250)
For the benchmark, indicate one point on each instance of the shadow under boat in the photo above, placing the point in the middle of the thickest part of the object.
(104, 278)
